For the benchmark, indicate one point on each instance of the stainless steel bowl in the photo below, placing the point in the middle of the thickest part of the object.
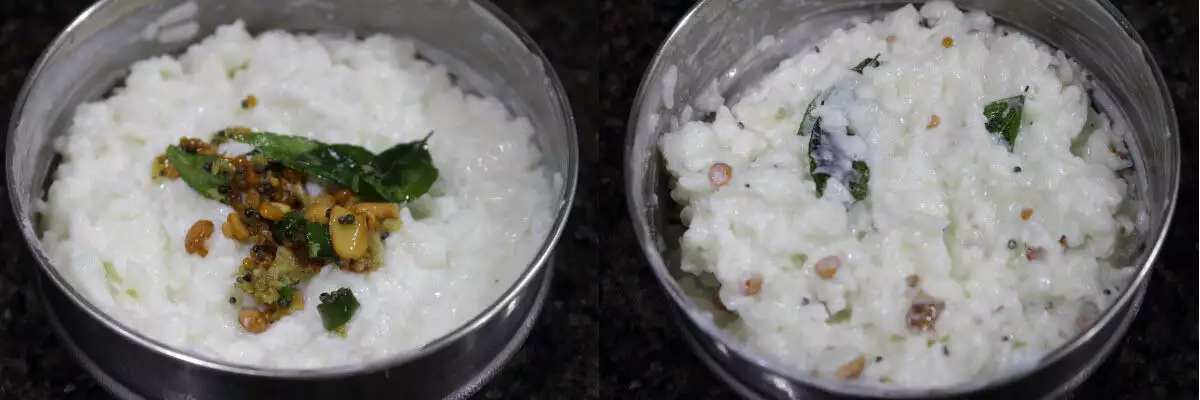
(721, 41)
(485, 50)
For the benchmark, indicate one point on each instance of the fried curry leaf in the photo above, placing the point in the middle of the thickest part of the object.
(336, 309)
(286, 293)
(336, 165)
(295, 229)
(191, 170)
(872, 62)
(808, 121)
(399, 174)
(405, 171)
(291, 229)
(331, 165)
(320, 247)
(819, 158)
(1004, 118)
(859, 180)
(813, 144)
(277, 147)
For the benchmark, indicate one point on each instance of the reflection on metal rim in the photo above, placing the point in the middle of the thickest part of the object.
(122, 392)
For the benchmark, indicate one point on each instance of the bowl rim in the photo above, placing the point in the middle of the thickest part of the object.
(744, 351)
(532, 271)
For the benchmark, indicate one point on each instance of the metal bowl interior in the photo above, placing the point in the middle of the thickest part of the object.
(732, 44)
(484, 49)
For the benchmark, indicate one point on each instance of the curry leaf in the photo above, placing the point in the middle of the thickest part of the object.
(823, 157)
(294, 229)
(286, 293)
(191, 170)
(866, 62)
(331, 165)
(277, 147)
(320, 247)
(1004, 118)
(399, 174)
(328, 166)
(814, 144)
(859, 180)
(290, 229)
(808, 121)
(405, 171)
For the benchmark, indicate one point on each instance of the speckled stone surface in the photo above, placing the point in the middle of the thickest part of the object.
(645, 357)
(560, 358)
(605, 331)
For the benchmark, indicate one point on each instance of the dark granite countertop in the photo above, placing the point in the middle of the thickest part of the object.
(604, 332)
(559, 360)
(647, 359)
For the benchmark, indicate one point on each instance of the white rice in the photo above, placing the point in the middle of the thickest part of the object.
(943, 204)
(461, 246)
